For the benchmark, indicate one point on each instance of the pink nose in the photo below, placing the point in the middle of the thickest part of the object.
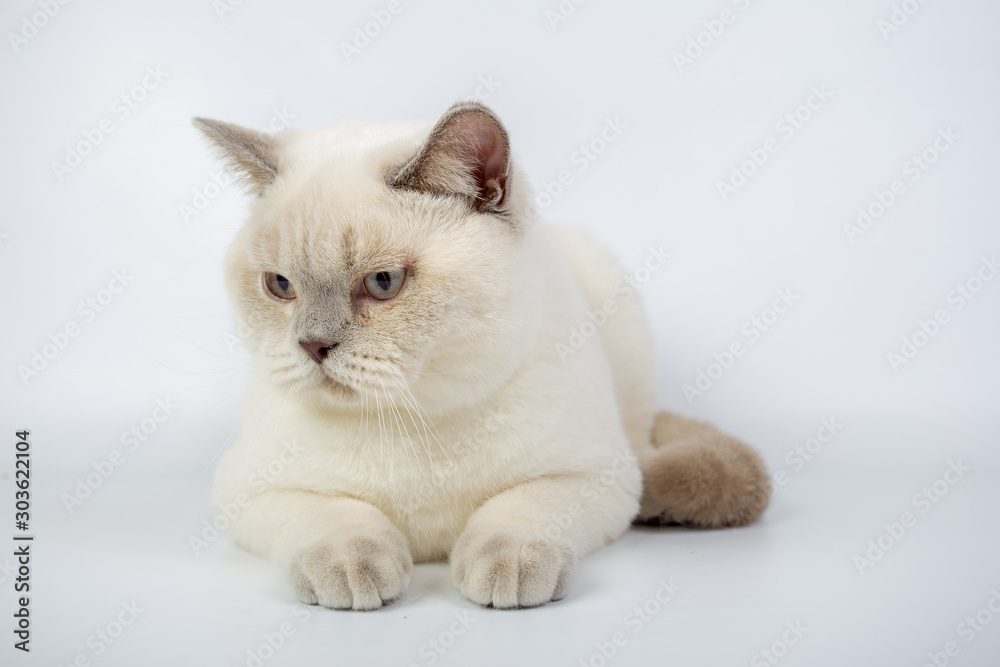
(318, 349)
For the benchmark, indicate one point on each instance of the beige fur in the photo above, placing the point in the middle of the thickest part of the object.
(702, 477)
(248, 153)
(444, 422)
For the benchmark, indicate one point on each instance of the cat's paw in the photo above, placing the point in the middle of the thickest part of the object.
(505, 569)
(354, 571)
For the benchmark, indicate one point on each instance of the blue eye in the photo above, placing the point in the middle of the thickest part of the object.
(279, 286)
(383, 285)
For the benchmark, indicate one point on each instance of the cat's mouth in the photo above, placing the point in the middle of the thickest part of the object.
(337, 387)
(334, 383)
(353, 377)
(357, 375)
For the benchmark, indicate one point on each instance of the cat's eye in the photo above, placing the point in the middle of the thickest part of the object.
(279, 286)
(384, 285)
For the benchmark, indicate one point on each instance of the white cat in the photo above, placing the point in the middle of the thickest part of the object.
(414, 395)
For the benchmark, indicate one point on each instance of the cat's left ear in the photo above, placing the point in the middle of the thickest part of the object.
(250, 155)
(467, 154)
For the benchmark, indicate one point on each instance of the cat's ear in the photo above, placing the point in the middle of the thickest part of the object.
(467, 154)
(250, 155)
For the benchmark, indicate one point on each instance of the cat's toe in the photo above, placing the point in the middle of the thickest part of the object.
(358, 572)
(505, 570)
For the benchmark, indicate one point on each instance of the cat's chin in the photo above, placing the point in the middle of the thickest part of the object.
(338, 396)
(337, 390)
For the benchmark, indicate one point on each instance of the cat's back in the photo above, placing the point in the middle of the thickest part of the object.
(616, 320)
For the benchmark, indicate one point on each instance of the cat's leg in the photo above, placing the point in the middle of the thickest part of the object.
(520, 548)
(341, 553)
(700, 476)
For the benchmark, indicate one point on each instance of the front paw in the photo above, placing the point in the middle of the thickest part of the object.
(507, 569)
(354, 571)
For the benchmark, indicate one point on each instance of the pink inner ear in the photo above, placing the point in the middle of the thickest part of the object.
(489, 153)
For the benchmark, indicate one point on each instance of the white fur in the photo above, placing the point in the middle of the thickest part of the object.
(484, 443)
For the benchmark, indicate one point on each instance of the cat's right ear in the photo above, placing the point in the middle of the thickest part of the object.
(249, 155)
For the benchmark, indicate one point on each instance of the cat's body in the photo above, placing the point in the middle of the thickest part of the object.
(452, 417)
(428, 470)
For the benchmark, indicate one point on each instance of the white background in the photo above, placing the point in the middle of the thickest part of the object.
(168, 334)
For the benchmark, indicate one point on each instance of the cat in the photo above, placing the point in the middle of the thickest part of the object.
(413, 393)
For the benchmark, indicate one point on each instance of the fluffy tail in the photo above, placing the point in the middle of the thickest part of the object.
(700, 476)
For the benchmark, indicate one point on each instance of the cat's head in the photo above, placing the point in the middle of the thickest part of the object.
(383, 259)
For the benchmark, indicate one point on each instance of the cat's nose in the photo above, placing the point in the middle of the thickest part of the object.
(318, 349)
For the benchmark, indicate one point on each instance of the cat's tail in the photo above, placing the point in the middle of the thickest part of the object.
(699, 476)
